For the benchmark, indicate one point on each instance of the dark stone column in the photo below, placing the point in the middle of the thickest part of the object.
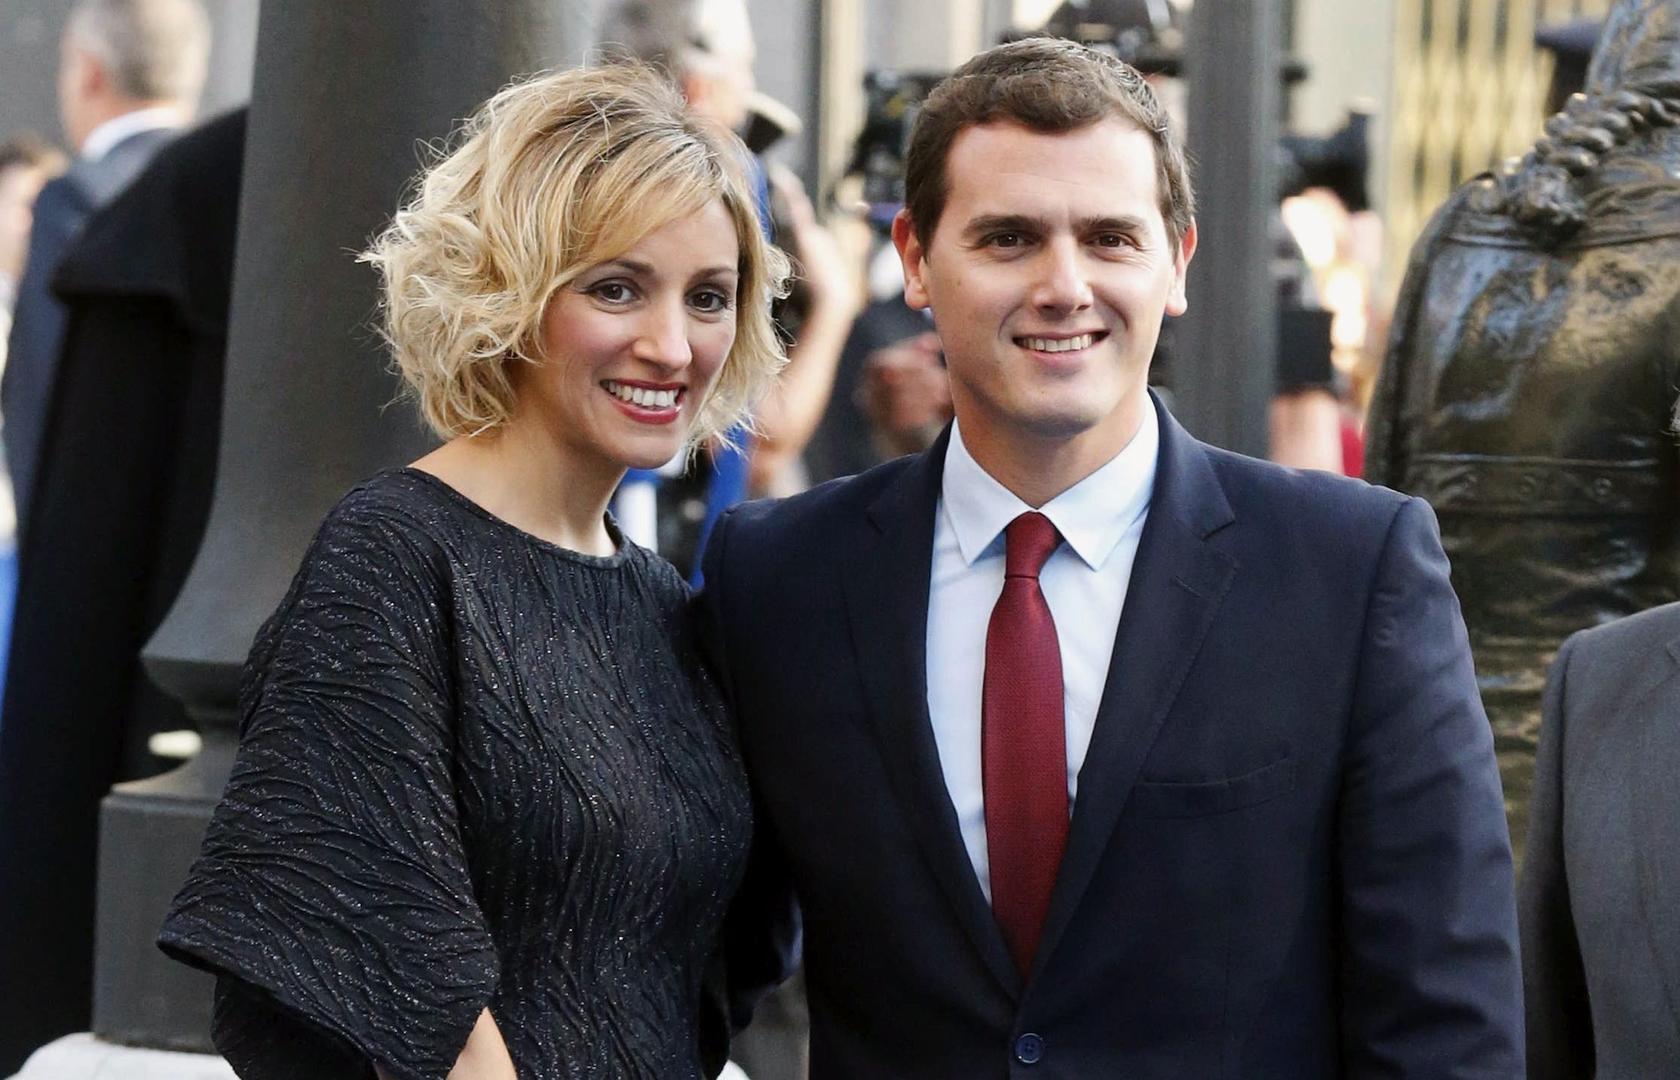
(344, 94)
(1223, 374)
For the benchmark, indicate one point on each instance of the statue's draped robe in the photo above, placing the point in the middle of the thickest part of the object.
(1528, 394)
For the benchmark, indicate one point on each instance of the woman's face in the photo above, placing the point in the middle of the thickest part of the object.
(631, 345)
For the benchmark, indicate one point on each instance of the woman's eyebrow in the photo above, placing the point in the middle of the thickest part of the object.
(634, 266)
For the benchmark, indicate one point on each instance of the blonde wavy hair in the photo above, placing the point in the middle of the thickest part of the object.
(554, 175)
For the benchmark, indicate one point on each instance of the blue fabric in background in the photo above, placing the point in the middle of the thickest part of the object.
(8, 599)
(728, 487)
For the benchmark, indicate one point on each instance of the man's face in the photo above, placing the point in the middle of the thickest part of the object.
(1048, 275)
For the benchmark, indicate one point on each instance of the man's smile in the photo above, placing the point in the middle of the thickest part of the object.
(1056, 343)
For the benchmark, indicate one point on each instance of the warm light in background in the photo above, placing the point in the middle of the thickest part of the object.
(1343, 252)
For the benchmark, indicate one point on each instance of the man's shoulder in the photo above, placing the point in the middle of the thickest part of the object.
(1628, 638)
(90, 183)
(817, 512)
(1265, 491)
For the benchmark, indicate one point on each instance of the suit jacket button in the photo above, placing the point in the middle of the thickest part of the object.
(1029, 1049)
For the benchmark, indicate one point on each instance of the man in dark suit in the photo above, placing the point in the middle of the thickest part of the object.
(1600, 896)
(129, 74)
(1091, 750)
(127, 468)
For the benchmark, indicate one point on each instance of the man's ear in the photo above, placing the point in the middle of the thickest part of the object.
(910, 253)
(1177, 301)
(87, 73)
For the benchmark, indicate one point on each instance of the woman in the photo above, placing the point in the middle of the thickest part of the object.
(487, 814)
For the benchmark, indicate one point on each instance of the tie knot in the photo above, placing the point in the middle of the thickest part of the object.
(1028, 541)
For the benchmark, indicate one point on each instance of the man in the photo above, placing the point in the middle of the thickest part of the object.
(26, 163)
(126, 471)
(130, 72)
(1090, 750)
(1600, 897)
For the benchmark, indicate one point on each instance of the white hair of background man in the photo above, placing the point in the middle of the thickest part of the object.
(153, 50)
(683, 36)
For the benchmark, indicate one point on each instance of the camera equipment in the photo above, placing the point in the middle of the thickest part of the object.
(892, 99)
(1338, 161)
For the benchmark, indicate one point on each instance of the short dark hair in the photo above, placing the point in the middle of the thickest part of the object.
(1050, 85)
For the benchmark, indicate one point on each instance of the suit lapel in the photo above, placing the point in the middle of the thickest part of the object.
(1657, 815)
(1177, 583)
(886, 584)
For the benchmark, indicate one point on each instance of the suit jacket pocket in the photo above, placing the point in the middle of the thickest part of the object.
(1196, 798)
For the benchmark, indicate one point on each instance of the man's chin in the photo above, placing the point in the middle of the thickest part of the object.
(1065, 423)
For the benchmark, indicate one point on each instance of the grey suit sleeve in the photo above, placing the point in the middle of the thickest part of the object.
(1430, 984)
(1560, 1035)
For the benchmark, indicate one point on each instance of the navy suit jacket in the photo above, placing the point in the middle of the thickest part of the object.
(1288, 857)
(61, 209)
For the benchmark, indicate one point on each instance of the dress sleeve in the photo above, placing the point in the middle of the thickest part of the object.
(332, 894)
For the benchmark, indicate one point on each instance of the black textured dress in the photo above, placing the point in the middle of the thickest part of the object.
(475, 770)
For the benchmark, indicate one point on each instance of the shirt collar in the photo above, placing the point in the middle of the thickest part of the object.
(104, 138)
(1092, 515)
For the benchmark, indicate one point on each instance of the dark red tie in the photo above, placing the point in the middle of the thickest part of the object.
(1024, 742)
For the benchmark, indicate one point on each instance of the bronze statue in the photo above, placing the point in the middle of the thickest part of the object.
(1530, 383)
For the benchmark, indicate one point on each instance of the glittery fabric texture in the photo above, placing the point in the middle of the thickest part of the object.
(475, 770)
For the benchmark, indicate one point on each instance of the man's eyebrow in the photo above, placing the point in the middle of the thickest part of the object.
(990, 223)
(1126, 223)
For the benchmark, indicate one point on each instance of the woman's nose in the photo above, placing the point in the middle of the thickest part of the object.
(664, 337)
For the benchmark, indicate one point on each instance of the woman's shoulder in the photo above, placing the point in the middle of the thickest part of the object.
(399, 512)
(387, 536)
(663, 580)
(394, 496)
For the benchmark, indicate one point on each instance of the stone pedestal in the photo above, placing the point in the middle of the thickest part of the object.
(83, 1057)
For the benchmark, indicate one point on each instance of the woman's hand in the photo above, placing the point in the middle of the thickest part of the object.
(485, 1057)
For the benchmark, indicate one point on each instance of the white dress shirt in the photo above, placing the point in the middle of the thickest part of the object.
(1084, 582)
(102, 139)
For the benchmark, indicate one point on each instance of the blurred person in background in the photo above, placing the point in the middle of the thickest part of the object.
(127, 463)
(130, 72)
(707, 47)
(26, 163)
